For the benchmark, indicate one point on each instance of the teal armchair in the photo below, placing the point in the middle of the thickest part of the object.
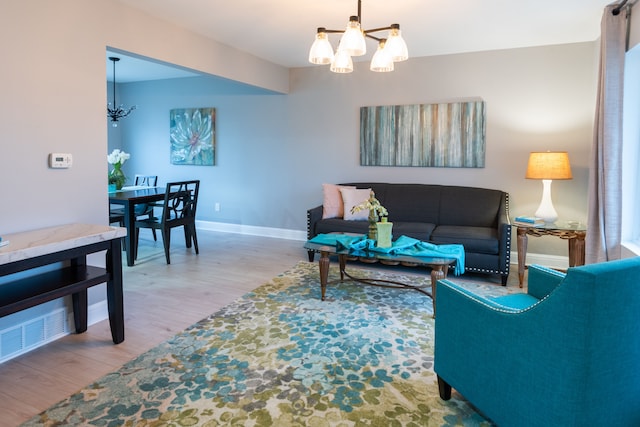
(566, 353)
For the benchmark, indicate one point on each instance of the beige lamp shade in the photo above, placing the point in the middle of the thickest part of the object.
(549, 165)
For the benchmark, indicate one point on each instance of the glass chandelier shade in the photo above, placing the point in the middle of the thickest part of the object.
(353, 43)
(396, 45)
(342, 62)
(381, 61)
(321, 51)
(352, 40)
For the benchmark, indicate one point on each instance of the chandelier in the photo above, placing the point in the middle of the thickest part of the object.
(119, 112)
(352, 43)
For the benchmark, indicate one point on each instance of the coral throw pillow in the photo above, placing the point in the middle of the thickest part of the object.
(332, 205)
(351, 198)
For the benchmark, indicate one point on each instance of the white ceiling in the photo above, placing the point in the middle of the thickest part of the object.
(131, 68)
(281, 31)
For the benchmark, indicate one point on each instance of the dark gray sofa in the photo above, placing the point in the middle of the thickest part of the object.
(476, 218)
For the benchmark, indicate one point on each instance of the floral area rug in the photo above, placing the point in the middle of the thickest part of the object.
(279, 356)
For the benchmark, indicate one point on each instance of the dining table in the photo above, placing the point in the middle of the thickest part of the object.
(129, 197)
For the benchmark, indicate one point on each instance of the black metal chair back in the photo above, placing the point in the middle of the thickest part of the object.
(146, 208)
(178, 210)
(146, 180)
(180, 202)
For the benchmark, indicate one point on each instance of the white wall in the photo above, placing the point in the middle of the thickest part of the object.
(275, 151)
(52, 82)
(537, 99)
(54, 97)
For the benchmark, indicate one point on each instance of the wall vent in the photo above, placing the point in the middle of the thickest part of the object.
(32, 334)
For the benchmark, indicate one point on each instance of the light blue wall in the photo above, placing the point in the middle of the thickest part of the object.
(250, 123)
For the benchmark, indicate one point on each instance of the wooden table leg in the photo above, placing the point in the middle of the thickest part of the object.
(323, 264)
(576, 249)
(522, 253)
(342, 259)
(437, 272)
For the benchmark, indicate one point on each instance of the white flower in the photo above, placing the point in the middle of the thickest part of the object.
(118, 156)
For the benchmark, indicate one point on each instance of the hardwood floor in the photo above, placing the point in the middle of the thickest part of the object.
(160, 300)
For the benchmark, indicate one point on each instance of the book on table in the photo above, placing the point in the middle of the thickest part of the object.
(528, 221)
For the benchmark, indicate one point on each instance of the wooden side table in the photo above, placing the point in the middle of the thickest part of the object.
(574, 233)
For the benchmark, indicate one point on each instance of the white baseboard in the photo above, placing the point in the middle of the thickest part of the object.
(252, 230)
(97, 312)
(551, 261)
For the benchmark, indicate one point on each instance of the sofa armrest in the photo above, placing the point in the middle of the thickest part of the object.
(503, 212)
(542, 280)
(504, 237)
(313, 216)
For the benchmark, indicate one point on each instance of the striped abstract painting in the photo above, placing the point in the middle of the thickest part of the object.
(425, 135)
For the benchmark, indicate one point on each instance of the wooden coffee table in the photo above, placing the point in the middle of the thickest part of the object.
(439, 267)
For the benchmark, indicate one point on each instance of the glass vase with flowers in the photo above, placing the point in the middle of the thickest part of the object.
(116, 175)
(376, 212)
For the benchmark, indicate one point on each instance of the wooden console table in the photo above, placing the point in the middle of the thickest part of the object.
(574, 233)
(68, 247)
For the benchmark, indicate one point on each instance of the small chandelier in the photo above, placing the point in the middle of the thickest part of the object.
(352, 43)
(119, 112)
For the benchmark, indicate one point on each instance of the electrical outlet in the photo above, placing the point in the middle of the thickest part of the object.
(217, 207)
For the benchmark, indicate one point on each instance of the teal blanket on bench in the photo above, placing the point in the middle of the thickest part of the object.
(404, 245)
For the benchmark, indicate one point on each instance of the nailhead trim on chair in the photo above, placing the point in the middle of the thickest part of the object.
(500, 308)
(482, 301)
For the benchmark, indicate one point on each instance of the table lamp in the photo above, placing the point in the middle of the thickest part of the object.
(547, 166)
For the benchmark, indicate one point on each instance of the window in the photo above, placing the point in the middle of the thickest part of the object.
(631, 153)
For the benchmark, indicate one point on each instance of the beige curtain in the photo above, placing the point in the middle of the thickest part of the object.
(603, 241)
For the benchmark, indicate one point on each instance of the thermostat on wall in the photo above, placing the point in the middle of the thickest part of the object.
(60, 160)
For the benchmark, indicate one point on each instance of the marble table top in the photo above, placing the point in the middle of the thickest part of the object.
(33, 243)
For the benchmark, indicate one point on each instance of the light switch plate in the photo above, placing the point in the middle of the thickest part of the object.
(60, 160)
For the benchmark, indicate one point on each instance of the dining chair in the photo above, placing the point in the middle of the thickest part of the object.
(143, 209)
(116, 216)
(146, 208)
(178, 210)
(146, 180)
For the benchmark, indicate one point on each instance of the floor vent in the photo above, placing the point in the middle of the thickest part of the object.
(34, 333)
